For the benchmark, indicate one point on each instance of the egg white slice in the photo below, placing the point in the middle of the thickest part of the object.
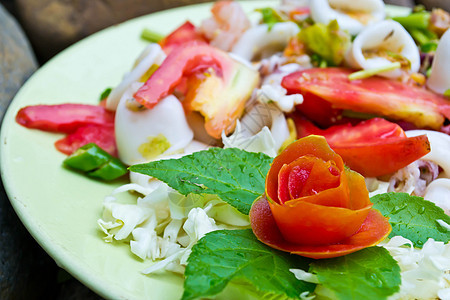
(134, 128)
(152, 54)
(439, 80)
(350, 15)
(386, 35)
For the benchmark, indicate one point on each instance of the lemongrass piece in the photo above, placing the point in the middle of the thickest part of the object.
(372, 72)
(151, 36)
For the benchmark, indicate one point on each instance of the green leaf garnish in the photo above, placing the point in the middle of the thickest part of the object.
(151, 36)
(327, 41)
(370, 273)
(413, 217)
(270, 16)
(224, 256)
(234, 175)
(105, 93)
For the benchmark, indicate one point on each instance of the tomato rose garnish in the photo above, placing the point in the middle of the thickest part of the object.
(314, 206)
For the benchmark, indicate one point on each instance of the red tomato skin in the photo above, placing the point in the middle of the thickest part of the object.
(183, 61)
(103, 136)
(385, 158)
(64, 118)
(374, 95)
(373, 148)
(187, 32)
(374, 229)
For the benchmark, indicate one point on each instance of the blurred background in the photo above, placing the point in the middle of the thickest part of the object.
(31, 32)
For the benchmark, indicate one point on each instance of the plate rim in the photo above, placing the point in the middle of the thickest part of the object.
(56, 251)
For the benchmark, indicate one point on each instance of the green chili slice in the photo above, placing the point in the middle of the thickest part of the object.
(95, 162)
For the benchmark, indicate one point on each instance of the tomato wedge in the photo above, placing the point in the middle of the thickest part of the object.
(103, 136)
(374, 229)
(375, 95)
(64, 118)
(373, 148)
(187, 32)
(184, 60)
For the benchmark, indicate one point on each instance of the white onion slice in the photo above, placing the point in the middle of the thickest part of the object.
(350, 15)
(259, 39)
(133, 128)
(386, 35)
(439, 80)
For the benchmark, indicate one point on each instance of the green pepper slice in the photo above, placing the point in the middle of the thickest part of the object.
(87, 158)
(111, 170)
(96, 163)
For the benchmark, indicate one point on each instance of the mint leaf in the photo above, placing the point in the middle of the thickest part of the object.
(371, 273)
(232, 255)
(270, 16)
(105, 93)
(235, 175)
(413, 217)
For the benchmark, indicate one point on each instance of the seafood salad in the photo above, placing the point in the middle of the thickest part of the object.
(313, 132)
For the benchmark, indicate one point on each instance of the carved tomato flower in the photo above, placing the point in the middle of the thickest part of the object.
(314, 206)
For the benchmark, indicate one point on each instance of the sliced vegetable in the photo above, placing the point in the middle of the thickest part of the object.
(381, 96)
(187, 32)
(418, 20)
(219, 86)
(151, 36)
(111, 170)
(373, 148)
(64, 118)
(95, 162)
(328, 41)
(372, 72)
(103, 136)
(87, 158)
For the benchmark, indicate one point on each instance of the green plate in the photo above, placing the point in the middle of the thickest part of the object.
(60, 208)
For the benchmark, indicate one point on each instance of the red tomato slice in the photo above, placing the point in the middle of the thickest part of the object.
(373, 148)
(64, 118)
(374, 229)
(374, 95)
(183, 61)
(183, 34)
(103, 136)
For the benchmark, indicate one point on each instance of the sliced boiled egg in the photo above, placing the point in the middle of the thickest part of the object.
(148, 134)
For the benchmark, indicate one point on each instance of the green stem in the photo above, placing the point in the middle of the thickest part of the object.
(151, 36)
(371, 72)
(418, 20)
